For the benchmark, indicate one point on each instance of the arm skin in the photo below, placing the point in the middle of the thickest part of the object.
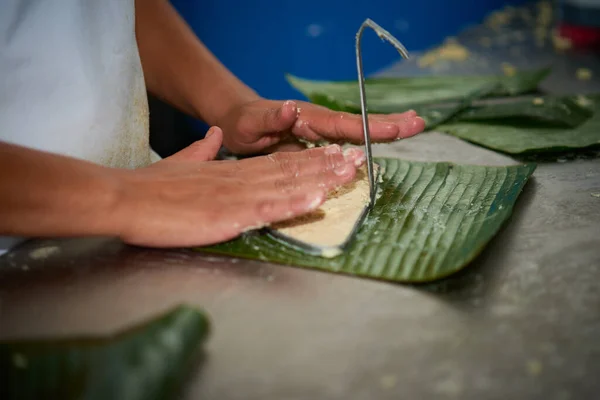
(184, 200)
(48, 195)
(188, 199)
(182, 71)
(179, 69)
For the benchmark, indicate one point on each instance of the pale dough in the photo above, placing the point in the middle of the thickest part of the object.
(330, 225)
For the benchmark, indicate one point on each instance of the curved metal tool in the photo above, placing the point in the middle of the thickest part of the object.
(383, 34)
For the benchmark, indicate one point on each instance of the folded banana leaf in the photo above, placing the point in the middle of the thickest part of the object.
(560, 111)
(430, 221)
(435, 115)
(146, 362)
(515, 135)
(388, 95)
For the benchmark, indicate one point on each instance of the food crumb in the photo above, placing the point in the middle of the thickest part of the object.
(500, 18)
(43, 252)
(451, 50)
(543, 22)
(538, 101)
(388, 381)
(330, 252)
(559, 42)
(583, 101)
(583, 74)
(508, 69)
(534, 367)
(597, 195)
(19, 360)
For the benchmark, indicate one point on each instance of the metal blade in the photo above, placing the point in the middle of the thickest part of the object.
(383, 34)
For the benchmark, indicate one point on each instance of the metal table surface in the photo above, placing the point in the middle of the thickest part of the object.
(522, 322)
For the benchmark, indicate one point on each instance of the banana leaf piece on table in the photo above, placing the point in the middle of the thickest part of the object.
(430, 221)
(560, 111)
(391, 95)
(146, 362)
(435, 115)
(519, 136)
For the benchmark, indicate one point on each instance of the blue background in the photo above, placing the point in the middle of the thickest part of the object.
(262, 40)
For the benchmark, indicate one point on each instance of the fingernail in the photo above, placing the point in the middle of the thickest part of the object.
(333, 149)
(360, 159)
(354, 155)
(209, 133)
(385, 126)
(300, 124)
(350, 154)
(411, 127)
(343, 169)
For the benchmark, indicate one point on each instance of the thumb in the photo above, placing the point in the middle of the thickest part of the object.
(271, 119)
(202, 150)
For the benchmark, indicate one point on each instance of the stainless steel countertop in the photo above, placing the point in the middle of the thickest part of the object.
(522, 322)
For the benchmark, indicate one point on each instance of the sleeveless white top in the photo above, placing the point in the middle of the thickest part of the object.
(71, 81)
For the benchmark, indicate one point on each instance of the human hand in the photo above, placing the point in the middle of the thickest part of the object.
(189, 200)
(269, 125)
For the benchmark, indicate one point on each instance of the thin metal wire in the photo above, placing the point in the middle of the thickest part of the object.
(383, 34)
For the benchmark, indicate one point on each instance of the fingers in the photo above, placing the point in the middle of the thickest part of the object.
(284, 185)
(355, 155)
(263, 211)
(327, 180)
(293, 165)
(318, 123)
(395, 116)
(202, 150)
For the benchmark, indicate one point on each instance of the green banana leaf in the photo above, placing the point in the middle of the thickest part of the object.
(388, 95)
(146, 362)
(430, 221)
(560, 111)
(521, 136)
(435, 115)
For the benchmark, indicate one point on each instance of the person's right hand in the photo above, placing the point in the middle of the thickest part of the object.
(189, 200)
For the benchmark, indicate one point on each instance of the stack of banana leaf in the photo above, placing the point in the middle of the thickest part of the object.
(502, 113)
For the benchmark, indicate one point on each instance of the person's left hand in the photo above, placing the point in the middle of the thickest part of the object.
(264, 126)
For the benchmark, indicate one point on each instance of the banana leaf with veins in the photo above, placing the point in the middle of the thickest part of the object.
(431, 220)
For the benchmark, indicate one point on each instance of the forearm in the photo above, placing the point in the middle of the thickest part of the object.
(179, 69)
(43, 194)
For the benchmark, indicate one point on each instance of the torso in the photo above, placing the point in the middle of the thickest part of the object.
(71, 80)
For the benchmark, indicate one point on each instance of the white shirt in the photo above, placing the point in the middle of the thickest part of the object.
(71, 81)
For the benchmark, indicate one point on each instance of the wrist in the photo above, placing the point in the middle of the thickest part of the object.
(124, 203)
(214, 110)
(105, 196)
